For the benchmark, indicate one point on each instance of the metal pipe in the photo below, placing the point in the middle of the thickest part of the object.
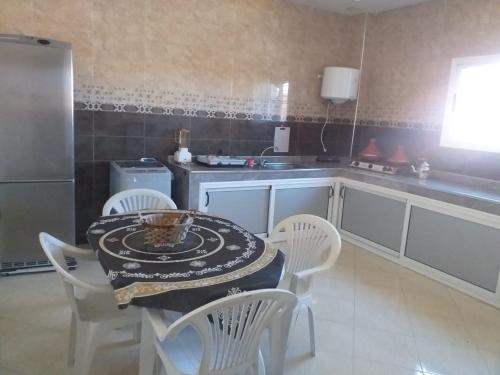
(359, 86)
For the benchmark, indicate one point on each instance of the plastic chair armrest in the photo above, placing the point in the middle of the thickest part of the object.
(89, 286)
(102, 288)
(329, 263)
(304, 274)
(80, 253)
(159, 327)
(162, 327)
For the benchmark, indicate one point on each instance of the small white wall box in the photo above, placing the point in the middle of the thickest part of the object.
(281, 139)
(340, 84)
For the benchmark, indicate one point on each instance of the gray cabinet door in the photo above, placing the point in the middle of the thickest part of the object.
(376, 218)
(27, 209)
(249, 208)
(302, 200)
(460, 248)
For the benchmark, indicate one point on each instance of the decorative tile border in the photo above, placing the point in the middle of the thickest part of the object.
(100, 98)
(163, 102)
(399, 124)
(396, 117)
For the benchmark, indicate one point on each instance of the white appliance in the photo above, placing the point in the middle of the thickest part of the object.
(182, 155)
(146, 173)
(340, 84)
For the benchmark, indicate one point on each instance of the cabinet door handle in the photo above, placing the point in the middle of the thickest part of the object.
(332, 191)
(342, 190)
(207, 199)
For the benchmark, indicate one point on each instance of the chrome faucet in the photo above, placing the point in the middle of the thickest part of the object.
(261, 163)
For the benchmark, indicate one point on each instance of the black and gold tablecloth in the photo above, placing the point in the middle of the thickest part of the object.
(218, 258)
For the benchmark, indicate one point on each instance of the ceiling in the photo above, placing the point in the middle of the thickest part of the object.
(358, 6)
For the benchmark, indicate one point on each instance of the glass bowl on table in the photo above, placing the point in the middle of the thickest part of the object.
(167, 227)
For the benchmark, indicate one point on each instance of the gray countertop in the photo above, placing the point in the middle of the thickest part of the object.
(475, 193)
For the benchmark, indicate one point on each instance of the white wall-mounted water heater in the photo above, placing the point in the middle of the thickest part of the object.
(340, 84)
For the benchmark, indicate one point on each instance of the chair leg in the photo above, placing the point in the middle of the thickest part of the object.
(261, 366)
(72, 341)
(147, 350)
(136, 331)
(312, 339)
(87, 337)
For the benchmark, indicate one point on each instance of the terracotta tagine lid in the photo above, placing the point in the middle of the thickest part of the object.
(371, 151)
(399, 157)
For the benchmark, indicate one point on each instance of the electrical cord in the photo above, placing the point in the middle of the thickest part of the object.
(324, 126)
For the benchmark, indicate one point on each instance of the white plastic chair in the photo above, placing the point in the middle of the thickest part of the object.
(312, 245)
(223, 337)
(133, 200)
(94, 310)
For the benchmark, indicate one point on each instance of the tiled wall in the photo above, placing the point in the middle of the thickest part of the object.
(233, 56)
(145, 67)
(103, 136)
(406, 68)
(408, 55)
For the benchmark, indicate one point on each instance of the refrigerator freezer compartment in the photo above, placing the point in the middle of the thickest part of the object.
(27, 209)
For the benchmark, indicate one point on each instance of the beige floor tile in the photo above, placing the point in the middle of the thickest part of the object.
(456, 334)
(331, 337)
(347, 254)
(437, 329)
(377, 274)
(394, 320)
(336, 310)
(368, 294)
(445, 359)
(322, 363)
(423, 302)
(10, 329)
(412, 282)
(117, 361)
(485, 336)
(6, 371)
(29, 299)
(366, 259)
(364, 366)
(385, 347)
(492, 360)
(474, 310)
(380, 280)
(341, 272)
(34, 351)
(381, 308)
(55, 315)
(333, 287)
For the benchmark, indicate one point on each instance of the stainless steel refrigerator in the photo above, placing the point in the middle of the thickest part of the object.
(36, 148)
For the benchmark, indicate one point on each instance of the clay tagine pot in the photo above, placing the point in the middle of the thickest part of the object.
(371, 152)
(399, 157)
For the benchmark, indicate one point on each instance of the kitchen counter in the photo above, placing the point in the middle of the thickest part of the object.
(475, 193)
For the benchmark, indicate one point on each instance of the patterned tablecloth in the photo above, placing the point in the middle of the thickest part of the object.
(218, 258)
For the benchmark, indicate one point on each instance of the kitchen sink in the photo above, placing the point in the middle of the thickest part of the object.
(282, 165)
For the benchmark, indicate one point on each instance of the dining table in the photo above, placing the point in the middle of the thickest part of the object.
(217, 258)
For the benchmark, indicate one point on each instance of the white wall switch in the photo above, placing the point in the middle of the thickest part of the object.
(281, 139)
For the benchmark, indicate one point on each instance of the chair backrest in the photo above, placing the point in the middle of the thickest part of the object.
(57, 251)
(230, 328)
(311, 242)
(133, 200)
